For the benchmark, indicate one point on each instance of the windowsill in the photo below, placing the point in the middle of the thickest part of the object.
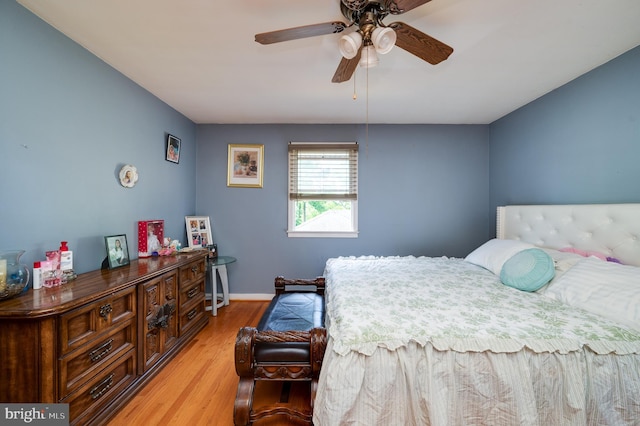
(307, 234)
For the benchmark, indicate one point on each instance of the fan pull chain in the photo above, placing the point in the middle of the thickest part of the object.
(355, 95)
(366, 145)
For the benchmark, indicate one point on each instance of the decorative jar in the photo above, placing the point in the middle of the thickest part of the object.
(14, 276)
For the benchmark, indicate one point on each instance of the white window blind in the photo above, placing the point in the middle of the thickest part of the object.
(322, 171)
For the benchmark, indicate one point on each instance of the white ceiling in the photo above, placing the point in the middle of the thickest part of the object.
(200, 57)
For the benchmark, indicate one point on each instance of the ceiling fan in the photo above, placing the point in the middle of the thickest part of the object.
(360, 46)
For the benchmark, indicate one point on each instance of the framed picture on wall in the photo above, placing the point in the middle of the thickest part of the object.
(245, 166)
(117, 250)
(198, 231)
(173, 149)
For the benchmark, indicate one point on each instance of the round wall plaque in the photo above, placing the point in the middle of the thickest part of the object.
(128, 176)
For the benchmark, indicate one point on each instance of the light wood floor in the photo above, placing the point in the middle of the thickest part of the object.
(198, 387)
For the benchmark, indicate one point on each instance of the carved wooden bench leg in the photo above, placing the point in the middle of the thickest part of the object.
(318, 343)
(243, 403)
(244, 369)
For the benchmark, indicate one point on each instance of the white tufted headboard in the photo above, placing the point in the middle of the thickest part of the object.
(612, 229)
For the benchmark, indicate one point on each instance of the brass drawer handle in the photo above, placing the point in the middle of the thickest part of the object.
(192, 314)
(105, 310)
(194, 269)
(98, 390)
(100, 351)
(193, 292)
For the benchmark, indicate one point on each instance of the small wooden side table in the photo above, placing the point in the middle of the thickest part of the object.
(218, 268)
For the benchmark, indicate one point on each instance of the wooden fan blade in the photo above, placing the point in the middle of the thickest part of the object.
(301, 32)
(346, 68)
(396, 7)
(418, 43)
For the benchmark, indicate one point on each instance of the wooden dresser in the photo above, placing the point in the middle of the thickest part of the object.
(95, 341)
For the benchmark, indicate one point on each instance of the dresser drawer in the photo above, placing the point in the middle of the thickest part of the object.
(102, 389)
(80, 326)
(82, 364)
(189, 294)
(191, 315)
(192, 272)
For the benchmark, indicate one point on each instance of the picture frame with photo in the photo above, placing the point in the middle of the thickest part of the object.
(150, 237)
(245, 165)
(198, 231)
(117, 251)
(172, 152)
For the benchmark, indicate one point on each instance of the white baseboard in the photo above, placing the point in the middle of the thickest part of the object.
(250, 296)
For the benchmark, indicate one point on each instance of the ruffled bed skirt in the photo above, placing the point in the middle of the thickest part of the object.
(420, 385)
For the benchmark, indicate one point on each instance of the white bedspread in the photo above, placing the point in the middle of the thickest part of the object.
(419, 341)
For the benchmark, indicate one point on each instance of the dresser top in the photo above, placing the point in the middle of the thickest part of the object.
(91, 286)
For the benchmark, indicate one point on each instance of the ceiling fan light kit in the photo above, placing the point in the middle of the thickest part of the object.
(369, 57)
(372, 36)
(383, 39)
(349, 44)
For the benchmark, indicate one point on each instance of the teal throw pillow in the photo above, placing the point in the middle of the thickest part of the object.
(528, 270)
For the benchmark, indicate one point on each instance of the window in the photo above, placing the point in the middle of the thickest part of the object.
(323, 190)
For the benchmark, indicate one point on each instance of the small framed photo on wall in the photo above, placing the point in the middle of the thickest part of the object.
(198, 231)
(117, 250)
(173, 149)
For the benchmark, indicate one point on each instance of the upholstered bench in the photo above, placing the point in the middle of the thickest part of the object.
(287, 345)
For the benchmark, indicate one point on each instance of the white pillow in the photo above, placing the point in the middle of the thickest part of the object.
(604, 288)
(563, 262)
(494, 253)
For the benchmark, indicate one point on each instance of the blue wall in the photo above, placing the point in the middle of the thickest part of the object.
(423, 190)
(578, 144)
(68, 122)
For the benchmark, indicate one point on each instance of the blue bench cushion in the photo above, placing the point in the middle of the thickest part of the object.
(293, 311)
(289, 312)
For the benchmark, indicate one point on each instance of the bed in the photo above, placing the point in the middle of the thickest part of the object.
(483, 340)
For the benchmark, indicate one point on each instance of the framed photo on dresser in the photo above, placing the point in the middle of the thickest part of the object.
(198, 231)
(117, 250)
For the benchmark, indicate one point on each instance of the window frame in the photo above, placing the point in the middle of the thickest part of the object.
(291, 202)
